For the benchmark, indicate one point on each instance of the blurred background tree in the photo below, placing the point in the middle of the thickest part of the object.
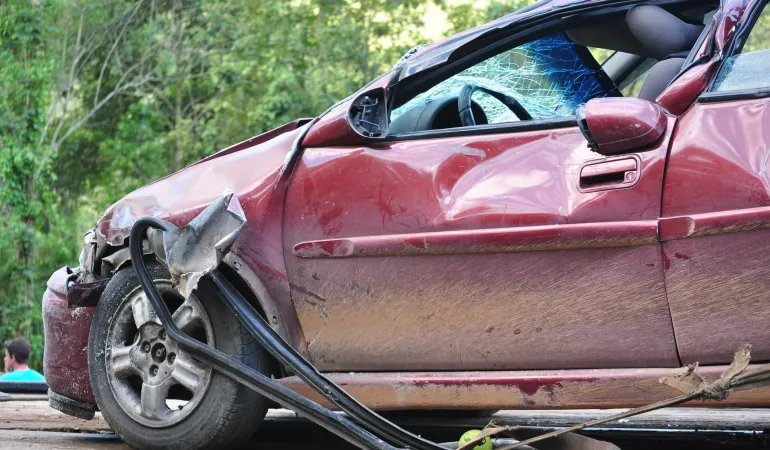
(101, 97)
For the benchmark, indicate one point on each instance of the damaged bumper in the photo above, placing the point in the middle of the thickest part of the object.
(65, 361)
(70, 299)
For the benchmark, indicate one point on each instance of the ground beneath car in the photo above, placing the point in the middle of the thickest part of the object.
(28, 422)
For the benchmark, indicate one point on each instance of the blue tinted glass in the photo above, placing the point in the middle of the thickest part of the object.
(549, 76)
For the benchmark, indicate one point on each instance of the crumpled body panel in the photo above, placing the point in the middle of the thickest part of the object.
(720, 159)
(476, 253)
(257, 176)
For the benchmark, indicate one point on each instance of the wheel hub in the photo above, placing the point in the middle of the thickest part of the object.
(159, 353)
(155, 354)
(155, 381)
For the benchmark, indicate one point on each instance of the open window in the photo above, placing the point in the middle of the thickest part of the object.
(643, 49)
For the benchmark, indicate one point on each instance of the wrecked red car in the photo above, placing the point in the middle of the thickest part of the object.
(500, 221)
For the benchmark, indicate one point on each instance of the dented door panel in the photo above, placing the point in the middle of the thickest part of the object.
(716, 214)
(476, 252)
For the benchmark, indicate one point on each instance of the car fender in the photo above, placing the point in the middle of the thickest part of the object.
(258, 172)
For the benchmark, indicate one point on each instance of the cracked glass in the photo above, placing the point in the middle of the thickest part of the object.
(550, 77)
(749, 70)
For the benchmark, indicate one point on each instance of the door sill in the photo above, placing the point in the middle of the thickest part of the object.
(502, 390)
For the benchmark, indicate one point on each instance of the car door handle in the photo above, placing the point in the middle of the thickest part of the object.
(610, 174)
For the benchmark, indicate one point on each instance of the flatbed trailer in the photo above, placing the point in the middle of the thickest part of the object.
(26, 421)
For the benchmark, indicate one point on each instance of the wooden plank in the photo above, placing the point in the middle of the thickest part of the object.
(34, 440)
(22, 397)
(38, 416)
(33, 425)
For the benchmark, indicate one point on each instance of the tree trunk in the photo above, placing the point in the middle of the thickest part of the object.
(178, 152)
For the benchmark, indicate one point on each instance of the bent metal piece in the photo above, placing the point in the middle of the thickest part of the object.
(236, 370)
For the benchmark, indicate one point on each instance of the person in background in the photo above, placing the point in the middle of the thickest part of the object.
(16, 358)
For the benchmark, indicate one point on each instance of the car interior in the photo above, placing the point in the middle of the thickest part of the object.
(643, 51)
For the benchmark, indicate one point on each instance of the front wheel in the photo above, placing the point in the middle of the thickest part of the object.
(153, 393)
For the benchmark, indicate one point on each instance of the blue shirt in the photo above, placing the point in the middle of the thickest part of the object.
(22, 375)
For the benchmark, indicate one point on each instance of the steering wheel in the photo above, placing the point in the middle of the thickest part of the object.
(466, 112)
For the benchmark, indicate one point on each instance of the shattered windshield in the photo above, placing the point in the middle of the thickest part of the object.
(550, 77)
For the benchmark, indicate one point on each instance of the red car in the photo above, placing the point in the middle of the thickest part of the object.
(500, 221)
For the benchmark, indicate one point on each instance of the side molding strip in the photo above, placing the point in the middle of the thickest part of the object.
(499, 240)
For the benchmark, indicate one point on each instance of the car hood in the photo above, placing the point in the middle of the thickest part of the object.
(249, 168)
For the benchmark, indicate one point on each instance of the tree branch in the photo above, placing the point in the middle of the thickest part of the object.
(118, 39)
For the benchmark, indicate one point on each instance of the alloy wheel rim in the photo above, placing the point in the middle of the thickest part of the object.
(155, 382)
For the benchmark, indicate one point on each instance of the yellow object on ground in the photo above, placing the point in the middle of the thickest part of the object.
(486, 444)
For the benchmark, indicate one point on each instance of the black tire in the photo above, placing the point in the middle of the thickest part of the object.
(227, 414)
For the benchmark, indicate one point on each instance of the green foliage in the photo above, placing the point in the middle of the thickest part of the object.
(469, 14)
(28, 206)
(311, 55)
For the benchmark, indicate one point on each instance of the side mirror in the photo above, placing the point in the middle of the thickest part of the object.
(368, 114)
(615, 126)
(359, 119)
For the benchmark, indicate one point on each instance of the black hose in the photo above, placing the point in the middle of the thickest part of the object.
(236, 370)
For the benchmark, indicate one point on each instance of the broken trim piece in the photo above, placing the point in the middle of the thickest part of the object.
(711, 224)
(192, 251)
(500, 240)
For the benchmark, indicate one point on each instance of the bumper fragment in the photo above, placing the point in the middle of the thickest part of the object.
(65, 361)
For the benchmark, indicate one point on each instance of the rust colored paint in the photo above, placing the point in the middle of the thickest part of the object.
(620, 125)
(333, 127)
(257, 175)
(545, 309)
(451, 281)
(65, 360)
(505, 240)
(566, 389)
(703, 50)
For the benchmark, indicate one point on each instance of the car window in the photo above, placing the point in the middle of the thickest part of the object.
(550, 77)
(632, 84)
(601, 55)
(748, 70)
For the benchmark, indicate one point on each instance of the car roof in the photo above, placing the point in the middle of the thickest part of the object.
(440, 52)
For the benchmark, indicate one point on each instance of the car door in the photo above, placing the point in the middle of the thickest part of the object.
(481, 247)
(716, 207)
